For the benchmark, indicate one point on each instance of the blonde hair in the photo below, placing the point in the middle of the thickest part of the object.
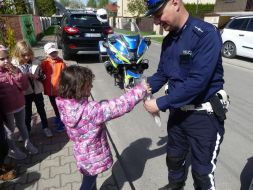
(22, 48)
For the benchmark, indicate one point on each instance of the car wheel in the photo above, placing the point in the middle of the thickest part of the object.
(229, 50)
(65, 54)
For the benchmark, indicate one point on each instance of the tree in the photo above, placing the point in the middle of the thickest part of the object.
(92, 3)
(46, 7)
(65, 3)
(76, 4)
(72, 3)
(14, 7)
(137, 7)
(102, 3)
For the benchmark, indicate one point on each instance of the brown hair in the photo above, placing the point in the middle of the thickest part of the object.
(73, 81)
(22, 48)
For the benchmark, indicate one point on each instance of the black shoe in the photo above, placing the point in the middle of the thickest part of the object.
(172, 187)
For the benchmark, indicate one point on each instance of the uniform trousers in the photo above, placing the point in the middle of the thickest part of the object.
(199, 133)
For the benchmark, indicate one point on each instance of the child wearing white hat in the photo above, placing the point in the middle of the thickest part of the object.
(53, 66)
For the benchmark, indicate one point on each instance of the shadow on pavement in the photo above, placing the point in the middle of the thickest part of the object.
(47, 146)
(134, 158)
(247, 174)
(22, 181)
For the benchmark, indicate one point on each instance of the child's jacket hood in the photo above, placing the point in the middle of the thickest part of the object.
(72, 111)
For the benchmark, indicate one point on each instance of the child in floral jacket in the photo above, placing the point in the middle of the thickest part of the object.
(84, 120)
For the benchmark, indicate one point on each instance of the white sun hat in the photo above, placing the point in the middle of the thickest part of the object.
(50, 47)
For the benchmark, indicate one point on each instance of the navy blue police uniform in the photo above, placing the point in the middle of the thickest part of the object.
(191, 64)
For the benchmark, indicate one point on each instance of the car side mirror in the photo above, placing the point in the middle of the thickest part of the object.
(147, 40)
(105, 44)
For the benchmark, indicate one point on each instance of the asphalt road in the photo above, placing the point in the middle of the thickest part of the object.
(141, 144)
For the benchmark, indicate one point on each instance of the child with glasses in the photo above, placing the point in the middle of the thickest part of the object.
(12, 101)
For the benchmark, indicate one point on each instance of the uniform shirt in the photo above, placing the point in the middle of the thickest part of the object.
(191, 63)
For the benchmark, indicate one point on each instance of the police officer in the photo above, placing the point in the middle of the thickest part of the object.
(191, 63)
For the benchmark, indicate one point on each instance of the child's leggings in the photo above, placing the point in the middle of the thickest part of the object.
(17, 118)
(89, 183)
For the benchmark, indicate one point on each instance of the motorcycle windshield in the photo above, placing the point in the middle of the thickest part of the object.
(121, 47)
(131, 40)
(142, 48)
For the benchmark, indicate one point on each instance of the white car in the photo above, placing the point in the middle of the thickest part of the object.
(237, 37)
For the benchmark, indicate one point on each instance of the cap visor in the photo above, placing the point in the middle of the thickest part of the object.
(149, 13)
(51, 51)
(153, 11)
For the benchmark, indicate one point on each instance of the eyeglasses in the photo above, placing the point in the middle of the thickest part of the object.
(4, 58)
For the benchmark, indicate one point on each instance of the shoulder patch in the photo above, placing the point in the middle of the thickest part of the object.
(199, 31)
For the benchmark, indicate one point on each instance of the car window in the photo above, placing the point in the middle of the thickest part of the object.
(79, 19)
(250, 26)
(239, 24)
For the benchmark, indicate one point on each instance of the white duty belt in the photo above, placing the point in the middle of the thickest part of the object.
(224, 98)
(205, 106)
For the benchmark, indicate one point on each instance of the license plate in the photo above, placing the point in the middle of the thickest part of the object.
(92, 35)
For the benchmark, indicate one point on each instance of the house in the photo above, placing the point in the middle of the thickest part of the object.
(123, 14)
(225, 9)
(233, 5)
(112, 7)
(123, 9)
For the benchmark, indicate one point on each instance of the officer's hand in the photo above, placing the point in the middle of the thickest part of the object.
(151, 106)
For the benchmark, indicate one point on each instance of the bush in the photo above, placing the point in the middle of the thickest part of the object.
(7, 37)
(10, 39)
(199, 10)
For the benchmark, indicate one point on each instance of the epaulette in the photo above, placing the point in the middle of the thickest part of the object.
(199, 31)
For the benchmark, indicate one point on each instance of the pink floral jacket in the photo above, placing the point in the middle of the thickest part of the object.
(84, 121)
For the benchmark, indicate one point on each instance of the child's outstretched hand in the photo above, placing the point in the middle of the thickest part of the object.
(147, 86)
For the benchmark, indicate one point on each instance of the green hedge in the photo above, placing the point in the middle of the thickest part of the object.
(199, 10)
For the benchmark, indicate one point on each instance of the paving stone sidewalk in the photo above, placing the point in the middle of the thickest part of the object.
(54, 167)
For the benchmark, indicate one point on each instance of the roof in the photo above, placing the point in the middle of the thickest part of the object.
(112, 7)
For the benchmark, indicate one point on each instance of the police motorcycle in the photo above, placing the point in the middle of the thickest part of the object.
(125, 53)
